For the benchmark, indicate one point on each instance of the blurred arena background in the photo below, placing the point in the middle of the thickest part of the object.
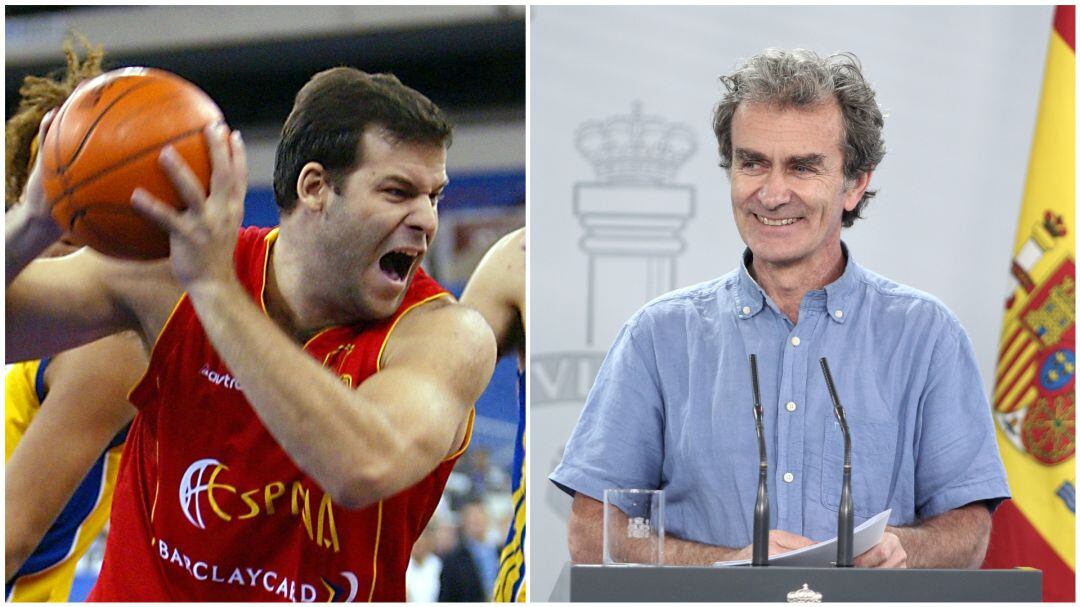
(470, 60)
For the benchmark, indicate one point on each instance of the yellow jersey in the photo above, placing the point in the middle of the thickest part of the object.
(48, 573)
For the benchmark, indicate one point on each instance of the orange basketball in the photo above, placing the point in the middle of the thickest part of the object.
(105, 142)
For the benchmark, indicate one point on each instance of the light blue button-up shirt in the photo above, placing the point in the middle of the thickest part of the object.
(671, 408)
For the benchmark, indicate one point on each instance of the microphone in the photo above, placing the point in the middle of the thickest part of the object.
(845, 525)
(761, 506)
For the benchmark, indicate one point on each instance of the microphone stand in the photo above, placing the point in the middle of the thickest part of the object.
(761, 506)
(845, 526)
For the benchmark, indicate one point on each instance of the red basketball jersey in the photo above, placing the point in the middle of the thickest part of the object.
(208, 505)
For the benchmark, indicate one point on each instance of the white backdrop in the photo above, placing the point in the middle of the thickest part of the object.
(959, 86)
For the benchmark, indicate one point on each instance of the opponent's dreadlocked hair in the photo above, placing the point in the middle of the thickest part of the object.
(38, 96)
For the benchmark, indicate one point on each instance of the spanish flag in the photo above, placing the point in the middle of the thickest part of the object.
(1035, 380)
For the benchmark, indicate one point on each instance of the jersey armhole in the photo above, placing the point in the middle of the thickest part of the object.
(155, 350)
(467, 439)
(40, 389)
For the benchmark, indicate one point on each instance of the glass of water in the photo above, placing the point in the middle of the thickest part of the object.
(633, 527)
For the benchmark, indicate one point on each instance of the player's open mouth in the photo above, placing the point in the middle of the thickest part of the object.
(396, 265)
(777, 222)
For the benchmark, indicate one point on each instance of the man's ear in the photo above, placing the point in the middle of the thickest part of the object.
(856, 191)
(313, 187)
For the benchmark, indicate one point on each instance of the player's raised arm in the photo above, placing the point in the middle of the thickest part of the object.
(52, 304)
(58, 304)
(497, 290)
(28, 227)
(438, 361)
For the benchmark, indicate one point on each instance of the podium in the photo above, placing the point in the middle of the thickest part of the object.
(595, 583)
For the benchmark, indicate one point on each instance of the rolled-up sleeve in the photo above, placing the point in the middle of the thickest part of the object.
(618, 440)
(957, 455)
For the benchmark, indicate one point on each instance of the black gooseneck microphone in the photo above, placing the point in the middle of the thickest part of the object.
(761, 506)
(845, 525)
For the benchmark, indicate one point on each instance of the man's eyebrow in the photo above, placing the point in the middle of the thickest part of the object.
(807, 159)
(744, 154)
(400, 180)
(408, 184)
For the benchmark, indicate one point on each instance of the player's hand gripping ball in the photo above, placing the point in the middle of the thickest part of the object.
(105, 142)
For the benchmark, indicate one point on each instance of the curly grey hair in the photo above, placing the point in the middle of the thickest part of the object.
(802, 78)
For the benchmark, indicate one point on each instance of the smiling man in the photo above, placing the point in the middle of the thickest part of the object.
(800, 136)
(309, 387)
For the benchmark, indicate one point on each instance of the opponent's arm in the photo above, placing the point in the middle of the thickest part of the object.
(85, 407)
(57, 304)
(28, 227)
(27, 235)
(497, 290)
(956, 539)
(360, 445)
(54, 305)
(586, 540)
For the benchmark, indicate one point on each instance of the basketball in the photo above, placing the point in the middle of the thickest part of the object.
(105, 142)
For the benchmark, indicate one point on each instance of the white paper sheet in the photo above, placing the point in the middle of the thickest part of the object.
(823, 554)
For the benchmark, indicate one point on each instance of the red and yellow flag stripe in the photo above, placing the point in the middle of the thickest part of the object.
(1035, 394)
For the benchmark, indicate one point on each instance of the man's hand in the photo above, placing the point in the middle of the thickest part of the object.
(780, 541)
(29, 228)
(202, 237)
(889, 553)
(33, 194)
(955, 539)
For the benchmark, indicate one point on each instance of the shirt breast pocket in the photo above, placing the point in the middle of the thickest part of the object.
(873, 454)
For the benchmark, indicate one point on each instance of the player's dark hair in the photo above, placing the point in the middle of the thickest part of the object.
(330, 116)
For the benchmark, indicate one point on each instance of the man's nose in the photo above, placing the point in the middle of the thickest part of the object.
(424, 216)
(775, 191)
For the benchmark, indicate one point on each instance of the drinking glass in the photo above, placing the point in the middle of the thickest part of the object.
(633, 527)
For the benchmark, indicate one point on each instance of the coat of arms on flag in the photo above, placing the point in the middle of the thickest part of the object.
(1035, 397)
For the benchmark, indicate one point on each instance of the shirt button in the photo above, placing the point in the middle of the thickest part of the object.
(795, 341)
(790, 406)
(838, 313)
(746, 310)
(788, 477)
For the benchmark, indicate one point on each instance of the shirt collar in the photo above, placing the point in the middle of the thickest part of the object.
(839, 294)
(749, 297)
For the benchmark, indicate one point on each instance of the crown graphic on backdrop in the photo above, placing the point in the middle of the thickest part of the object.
(636, 148)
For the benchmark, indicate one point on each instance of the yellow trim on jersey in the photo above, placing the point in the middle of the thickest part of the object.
(378, 367)
(375, 555)
(467, 439)
(386, 340)
(157, 484)
(270, 239)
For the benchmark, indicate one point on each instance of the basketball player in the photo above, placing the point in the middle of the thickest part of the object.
(309, 387)
(497, 290)
(66, 416)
